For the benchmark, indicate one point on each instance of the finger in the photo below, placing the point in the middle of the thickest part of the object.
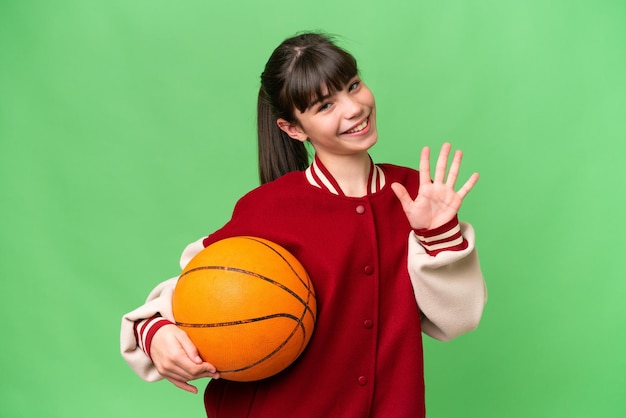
(203, 370)
(442, 163)
(469, 184)
(208, 373)
(425, 166)
(454, 169)
(182, 371)
(193, 371)
(402, 194)
(184, 386)
(180, 367)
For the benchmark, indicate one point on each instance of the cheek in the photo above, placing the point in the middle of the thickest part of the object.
(366, 97)
(320, 125)
(371, 99)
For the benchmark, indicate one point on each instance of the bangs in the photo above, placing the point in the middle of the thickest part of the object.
(317, 73)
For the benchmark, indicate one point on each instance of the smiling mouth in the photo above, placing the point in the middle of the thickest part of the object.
(359, 127)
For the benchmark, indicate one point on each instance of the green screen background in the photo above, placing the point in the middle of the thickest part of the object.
(127, 130)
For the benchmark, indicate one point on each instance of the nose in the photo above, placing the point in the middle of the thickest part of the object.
(352, 107)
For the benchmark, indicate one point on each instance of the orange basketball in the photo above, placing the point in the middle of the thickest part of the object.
(248, 305)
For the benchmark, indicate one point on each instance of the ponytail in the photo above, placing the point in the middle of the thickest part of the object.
(278, 153)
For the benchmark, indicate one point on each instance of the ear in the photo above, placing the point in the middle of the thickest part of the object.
(291, 129)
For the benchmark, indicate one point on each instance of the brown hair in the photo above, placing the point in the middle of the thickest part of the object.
(295, 76)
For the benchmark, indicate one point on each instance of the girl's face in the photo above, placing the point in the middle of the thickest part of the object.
(343, 123)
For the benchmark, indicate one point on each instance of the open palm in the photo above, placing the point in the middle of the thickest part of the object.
(437, 202)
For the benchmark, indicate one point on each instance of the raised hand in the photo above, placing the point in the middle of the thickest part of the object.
(176, 358)
(437, 202)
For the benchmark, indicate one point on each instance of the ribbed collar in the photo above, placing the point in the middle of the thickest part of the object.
(319, 176)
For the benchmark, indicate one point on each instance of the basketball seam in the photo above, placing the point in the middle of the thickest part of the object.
(258, 276)
(240, 322)
(308, 285)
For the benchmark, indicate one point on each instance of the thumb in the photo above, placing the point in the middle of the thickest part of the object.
(402, 194)
(190, 349)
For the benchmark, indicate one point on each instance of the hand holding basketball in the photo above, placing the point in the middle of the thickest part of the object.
(176, 358)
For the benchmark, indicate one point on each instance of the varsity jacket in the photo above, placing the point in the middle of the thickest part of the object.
(378, 283)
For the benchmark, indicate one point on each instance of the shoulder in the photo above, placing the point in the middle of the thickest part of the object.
(393, 168)
(399, 173)
(266, 211)
(269, 194)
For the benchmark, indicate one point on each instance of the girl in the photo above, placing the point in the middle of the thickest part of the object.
(382, 244)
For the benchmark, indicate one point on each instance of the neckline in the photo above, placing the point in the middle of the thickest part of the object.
(318, 176)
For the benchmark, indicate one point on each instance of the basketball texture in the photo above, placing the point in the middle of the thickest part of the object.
(248, 305)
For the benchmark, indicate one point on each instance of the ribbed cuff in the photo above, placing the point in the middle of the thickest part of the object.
(447, 237)
(145, 330)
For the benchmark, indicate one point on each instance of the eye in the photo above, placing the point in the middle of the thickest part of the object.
(354, 85)
(324, 106)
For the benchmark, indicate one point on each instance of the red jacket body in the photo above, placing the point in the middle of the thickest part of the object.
(365, 356)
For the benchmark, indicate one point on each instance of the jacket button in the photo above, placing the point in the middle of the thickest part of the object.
(362, 380)
(368, 270)
(368, 323)
(360, 209)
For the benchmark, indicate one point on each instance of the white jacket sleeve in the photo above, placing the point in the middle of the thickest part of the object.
(159, 301)
(449, 287)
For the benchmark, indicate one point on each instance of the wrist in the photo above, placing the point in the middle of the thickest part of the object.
(446, 237)
(146, 329)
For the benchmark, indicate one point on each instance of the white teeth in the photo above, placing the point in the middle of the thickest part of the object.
(361, 126)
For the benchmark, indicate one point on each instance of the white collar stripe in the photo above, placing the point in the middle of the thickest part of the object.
(310, 178)
(316, 176)
(322, 177)
(381, 178)
(374, 185)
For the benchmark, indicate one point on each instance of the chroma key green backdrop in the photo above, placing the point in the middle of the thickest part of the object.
(127, 130)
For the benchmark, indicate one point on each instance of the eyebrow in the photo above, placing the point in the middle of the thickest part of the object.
(329, 95)
(320, 99)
